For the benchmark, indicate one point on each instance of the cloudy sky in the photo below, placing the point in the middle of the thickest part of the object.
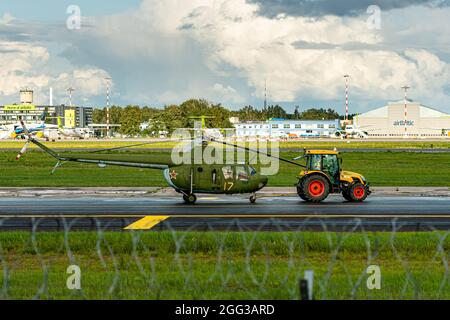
(159, 52)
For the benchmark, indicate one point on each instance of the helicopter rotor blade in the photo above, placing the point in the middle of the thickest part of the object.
(24, 127)
(259, 152)
(137, 145)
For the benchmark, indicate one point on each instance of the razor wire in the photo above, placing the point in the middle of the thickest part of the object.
(247, 261)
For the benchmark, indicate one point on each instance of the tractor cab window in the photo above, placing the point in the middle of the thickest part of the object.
(252, 170)
(315, 162)
(241, 173)
(227, 172)
(331, 164)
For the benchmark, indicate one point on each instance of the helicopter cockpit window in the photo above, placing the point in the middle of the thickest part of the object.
(241, 173)
(227, 172)
(252, 170)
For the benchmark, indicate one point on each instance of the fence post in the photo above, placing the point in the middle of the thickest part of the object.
(306, 285)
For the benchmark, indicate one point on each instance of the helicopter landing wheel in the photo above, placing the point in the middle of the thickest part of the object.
(252, 198)
(190, 198)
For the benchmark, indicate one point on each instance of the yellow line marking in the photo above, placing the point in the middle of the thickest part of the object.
(237, 216)
(146, 223)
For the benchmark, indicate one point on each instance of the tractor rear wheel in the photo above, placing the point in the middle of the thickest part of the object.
(357, 192)
(315, 188)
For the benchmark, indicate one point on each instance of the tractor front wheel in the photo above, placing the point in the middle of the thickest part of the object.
(314, 188)
(346, 194)
(357, 192)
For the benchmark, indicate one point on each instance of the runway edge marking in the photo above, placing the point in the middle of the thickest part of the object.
(146, 223)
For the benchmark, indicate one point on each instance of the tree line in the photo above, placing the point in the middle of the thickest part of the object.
(174, 116)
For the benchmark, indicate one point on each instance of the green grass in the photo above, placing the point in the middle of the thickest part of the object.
(99, 144)
(220, 265)
(381, 169)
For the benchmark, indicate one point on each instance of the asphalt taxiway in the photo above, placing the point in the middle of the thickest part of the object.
(287, 213)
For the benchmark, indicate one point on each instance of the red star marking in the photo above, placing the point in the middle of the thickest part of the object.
(173, 175)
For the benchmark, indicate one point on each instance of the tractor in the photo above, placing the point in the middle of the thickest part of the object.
(323, 175)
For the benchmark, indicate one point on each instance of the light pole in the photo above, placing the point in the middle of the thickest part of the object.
(70, 90)
(107, 105)
(405, 88)
(346, 76)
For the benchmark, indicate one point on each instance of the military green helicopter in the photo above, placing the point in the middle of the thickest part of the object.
(187, 179)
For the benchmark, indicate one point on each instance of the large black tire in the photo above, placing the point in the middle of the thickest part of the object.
(357, 192)
(300, 190)
(315, 188)
(346, 194)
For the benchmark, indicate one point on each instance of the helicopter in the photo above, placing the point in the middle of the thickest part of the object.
(186, 179)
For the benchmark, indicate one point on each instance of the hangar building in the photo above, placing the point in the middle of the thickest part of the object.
(389, 121)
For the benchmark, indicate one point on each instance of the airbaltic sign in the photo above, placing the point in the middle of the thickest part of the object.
(19, 107)
(402, 123)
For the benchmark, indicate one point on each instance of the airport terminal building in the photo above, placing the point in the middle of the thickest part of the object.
(71, 116)
(281, 128)
(389, 121)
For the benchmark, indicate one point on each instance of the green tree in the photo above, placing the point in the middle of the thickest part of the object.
(319, 114)
(249, 113)
(99, 115)
(275, 111)
(130, 120)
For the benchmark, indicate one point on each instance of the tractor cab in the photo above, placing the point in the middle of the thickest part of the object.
(324, 161)
(323, 175)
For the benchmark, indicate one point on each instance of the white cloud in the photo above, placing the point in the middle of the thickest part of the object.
(262, 48)
(170, 50)
(25, 65)
(226, 94)
(6, 19)
(232, 40)
(19, 65)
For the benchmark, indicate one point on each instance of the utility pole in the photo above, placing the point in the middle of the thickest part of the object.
(346, 96)
(406, 109)
(107, 106)
(265, 94)
(70, 90)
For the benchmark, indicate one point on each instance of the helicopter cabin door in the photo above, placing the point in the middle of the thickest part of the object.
(207, 178)
(216, 178)
(227, 184)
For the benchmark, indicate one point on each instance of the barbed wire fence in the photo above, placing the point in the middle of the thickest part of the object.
(233, 261)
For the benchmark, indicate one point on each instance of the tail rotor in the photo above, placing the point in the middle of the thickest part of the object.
(22, 151)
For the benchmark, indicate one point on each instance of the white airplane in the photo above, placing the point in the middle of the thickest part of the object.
(351, 131)
(15, 131)
(61, 131)
(5, 133)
